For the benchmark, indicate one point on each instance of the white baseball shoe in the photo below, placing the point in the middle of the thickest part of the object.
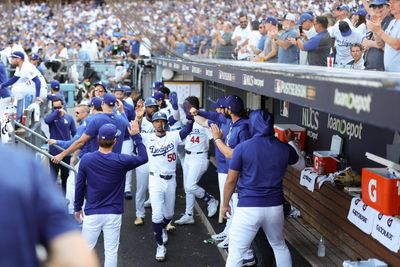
(224, 244)
(147, 203)
(219, 237)
(185, 219)
(161, 252)
(164, 236)
(212, 207)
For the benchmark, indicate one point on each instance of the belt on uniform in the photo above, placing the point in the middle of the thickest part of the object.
(165, 177)
(190, 152)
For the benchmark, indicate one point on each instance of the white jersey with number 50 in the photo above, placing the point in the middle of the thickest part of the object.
(198, 139)
(162, 152)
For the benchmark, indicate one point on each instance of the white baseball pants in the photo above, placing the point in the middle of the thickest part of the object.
(162, 197)
(110, 224)
(245, 225)
(70, 190)
(142, 185)
(127, 148)
(194, 166)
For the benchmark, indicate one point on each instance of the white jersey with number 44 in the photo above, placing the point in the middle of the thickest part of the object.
(198, 139)
(162, 152)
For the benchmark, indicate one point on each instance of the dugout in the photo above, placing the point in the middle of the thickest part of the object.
(359, 106)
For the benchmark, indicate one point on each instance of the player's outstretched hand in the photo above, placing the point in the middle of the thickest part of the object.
(193, 111)
(139, 109)
(57, 158)
(216, 131)
(51, 141)
(134, 128)
(120, 106)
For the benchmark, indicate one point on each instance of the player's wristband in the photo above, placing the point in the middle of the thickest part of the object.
(215, 140)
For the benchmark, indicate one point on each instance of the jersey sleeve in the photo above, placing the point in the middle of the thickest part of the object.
(236, 161)
(91, 128)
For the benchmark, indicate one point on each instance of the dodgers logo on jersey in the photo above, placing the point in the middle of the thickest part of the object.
(162, 151)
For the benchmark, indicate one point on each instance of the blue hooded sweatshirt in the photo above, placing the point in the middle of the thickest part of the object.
(262, 162)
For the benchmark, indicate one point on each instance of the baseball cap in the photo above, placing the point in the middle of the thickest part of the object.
(96, 102)
(360, 12)
(378, 3)
(234, 103)
(304, 17)
(271, 20)
(344, 28)
(158, 96)
(35, 57)
(150, 102)
(157, 85)
(343, 8)
(103, 84)
(18, 54)
(218, 103)
(55, 84)
(109, 132)
(119, 87)
(158, 116)
(110, 99)
(290, 16)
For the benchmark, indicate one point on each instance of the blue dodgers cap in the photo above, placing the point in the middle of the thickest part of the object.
(271, 20)
(55, 85)
(103, 84)
(150, 102)
(218, 103)
(110, 99)
(378, 3)
(304, 17)
(96, 102)
(234, 103)
(119, 87)
(158, 84)
(35, 56)
(361, 12)
(159, 116)
(343, 8)
(344, 28)
(18, 54)
(158, 96)
(108, 132)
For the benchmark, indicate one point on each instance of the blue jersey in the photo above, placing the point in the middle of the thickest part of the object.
(33, 210)
(61, 128)
(99, 120)
(101, 179)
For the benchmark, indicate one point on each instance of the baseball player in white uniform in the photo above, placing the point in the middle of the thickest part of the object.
(27, 79)
(142, 172)
(195, 165)
(161, 149)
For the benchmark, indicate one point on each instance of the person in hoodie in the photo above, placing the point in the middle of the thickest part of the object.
(257, 169)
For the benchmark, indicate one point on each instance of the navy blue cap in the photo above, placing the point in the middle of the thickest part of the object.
(343, 7)
(119, 87)
(234, 103)
(18, 54)
(158, 96)
(271, 20)
(55, 85)
(108, 132)
(158, 84)
(103, 84)
(96, 102)
(304, 17)
(361, 12)
(110, 99)
(378, 3)
(344, 28)
(218, 103)
(35, 57)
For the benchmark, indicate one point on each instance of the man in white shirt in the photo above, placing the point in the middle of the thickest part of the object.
(344, 39)
(241, 33)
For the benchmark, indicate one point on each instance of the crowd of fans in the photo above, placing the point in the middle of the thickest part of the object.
(266, 31)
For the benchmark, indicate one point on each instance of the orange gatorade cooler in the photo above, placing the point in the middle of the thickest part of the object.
(381, 186)
(299, 133)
